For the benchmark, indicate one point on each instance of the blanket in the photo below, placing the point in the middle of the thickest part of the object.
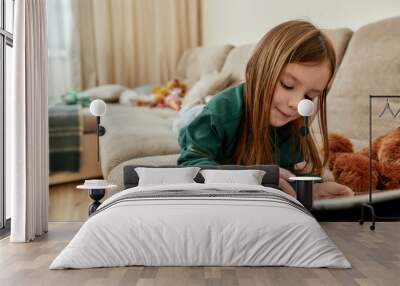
(65, 130)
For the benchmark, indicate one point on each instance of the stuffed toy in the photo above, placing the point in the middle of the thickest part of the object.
(351, 168)
(159, 93)
(170, 95)
(73, 97)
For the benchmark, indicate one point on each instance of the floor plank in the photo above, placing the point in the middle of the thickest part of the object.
(375, 257)
(69, 204)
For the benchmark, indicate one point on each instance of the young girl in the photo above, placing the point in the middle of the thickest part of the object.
(257, 121)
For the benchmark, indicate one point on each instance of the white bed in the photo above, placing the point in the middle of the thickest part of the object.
(181, 230)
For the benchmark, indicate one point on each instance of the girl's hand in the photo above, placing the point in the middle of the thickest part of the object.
(284, 176)
(329, 190)
(286, 187)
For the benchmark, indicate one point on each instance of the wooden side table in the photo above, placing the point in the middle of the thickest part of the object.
(96, 193)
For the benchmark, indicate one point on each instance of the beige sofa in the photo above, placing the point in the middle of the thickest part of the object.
(368, 63)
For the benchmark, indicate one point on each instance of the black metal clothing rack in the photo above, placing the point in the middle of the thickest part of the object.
(369, 205)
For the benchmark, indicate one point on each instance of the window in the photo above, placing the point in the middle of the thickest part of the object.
(6, 44)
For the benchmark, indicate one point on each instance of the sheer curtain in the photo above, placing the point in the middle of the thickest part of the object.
(63, 48)
(26, 124)
(132, 42)
(127, 42)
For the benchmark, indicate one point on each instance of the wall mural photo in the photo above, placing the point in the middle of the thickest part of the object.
(293, 97)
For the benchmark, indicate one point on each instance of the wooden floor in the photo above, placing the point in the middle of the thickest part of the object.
(68, 204)
(374, 255)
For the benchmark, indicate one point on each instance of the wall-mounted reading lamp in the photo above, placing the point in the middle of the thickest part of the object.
(305, 109)
(98, 108)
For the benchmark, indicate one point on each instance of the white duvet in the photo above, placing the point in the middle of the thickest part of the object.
(207, 230)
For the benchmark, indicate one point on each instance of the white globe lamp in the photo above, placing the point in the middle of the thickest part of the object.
(98, 107)
(305, 109)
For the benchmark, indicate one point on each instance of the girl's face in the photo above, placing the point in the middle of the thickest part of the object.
(297, 81)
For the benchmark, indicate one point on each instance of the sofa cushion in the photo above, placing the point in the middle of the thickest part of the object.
(236, 62)
(370, 66)
(88, 121)
(198, 61)
(209, 84)
(106, 92)
(134, 132)
(340, 39)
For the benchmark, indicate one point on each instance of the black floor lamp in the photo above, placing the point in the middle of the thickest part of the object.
(369, 205)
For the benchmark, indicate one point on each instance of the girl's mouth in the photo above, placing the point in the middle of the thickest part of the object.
(281, 112)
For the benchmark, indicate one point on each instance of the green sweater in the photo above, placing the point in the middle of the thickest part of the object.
(210, 139)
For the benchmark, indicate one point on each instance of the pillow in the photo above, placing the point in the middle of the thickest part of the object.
(162, 176)
(145, 89)
(131, 97)
(248, 177)
(209, 84)
(106, 92)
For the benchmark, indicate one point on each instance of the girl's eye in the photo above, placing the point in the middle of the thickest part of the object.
(307, 97)
(286, 86)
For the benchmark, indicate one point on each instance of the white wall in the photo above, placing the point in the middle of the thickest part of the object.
(245, 21)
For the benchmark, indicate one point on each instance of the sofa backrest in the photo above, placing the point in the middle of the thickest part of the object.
(236, 61)
(371, 65)
(198, 61)
(238, 57)
(340, 39)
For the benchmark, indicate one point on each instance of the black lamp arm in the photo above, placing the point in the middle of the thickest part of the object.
(304, 129)
(100, 131)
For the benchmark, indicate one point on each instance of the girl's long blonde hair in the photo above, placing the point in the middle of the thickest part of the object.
(290, 42)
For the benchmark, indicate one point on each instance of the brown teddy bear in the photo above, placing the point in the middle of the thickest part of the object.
(351, 169)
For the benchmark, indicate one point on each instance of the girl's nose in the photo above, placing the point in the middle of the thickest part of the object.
(294, 101)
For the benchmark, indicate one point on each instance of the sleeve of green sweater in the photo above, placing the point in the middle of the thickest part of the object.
(201, 140)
